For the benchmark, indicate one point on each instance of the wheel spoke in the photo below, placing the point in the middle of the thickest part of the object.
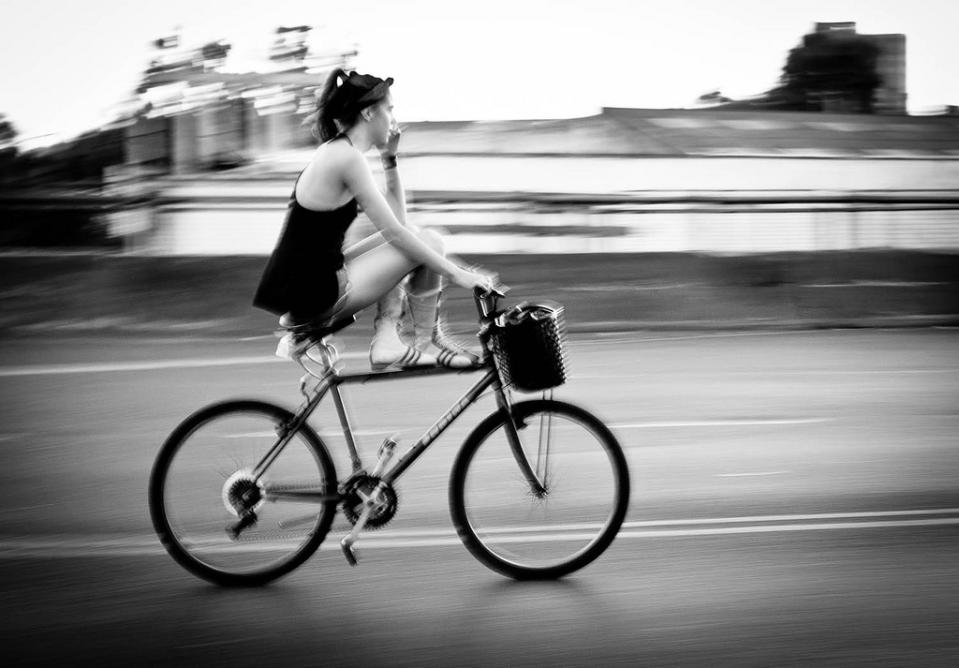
(517, 532)
(209, 506)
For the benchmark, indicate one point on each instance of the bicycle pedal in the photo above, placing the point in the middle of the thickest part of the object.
(349, 552)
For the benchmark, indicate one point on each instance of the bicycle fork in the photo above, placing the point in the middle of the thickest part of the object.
(535, 478)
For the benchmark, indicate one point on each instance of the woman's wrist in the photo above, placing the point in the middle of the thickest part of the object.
(454, 272)
(388, 160)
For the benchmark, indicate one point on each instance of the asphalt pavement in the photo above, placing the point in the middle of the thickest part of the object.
(794, 503)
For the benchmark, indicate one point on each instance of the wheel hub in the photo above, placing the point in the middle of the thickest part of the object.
(242, 494)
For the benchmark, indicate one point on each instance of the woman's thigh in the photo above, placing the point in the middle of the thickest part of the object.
(373, 274)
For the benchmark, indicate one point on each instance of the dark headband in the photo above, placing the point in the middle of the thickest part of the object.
(358, 91)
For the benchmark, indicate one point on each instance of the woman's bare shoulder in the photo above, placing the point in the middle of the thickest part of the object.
(325, 178)
(336, 156)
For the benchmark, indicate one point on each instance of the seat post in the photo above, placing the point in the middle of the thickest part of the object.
(310, 334)
(329, 354)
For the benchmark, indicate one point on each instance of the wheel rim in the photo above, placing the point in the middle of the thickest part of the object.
(208, 473)
(519, 531)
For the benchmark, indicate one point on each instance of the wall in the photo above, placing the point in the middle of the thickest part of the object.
(602, 204)
(628, 174)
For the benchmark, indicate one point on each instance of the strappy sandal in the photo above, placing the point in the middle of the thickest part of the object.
(452, 354)
(397, 355)
(410, 358)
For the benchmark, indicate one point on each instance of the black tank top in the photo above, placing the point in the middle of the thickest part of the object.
(300, 276)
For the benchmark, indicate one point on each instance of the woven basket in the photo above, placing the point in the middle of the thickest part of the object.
(530, 346)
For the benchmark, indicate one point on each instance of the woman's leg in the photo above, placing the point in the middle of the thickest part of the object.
(424, 299)
(378, 270)
(386, 345)
(373, 275)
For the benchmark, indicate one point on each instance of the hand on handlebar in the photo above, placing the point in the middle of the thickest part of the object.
(475, 279)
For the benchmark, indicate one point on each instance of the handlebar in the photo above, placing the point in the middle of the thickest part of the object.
(487, 300)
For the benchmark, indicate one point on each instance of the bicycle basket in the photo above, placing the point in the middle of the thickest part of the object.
(529, 344)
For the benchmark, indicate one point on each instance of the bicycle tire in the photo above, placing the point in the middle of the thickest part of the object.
(168, 499)
(486, 478)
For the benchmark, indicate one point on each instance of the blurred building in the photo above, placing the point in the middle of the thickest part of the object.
(191, 115)
(890, 96)
(205, 158)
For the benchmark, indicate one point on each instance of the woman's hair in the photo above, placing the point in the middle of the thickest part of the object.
(342, 99)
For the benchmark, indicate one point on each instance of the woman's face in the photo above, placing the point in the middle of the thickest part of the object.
(381, 121)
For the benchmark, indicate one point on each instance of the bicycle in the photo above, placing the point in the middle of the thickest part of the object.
(538, 489)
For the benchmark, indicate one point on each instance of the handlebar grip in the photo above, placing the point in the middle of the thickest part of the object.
(499, 290)
(486, 299)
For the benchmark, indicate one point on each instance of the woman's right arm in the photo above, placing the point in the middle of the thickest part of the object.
(359, 180)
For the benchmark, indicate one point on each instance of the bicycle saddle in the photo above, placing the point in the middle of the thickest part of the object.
(314, 329)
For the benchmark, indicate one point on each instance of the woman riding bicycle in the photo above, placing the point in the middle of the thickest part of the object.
(309, 277)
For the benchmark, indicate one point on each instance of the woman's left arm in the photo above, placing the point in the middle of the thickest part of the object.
(394, 186)
(394, 193)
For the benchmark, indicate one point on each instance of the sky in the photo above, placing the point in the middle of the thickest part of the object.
(66, 64)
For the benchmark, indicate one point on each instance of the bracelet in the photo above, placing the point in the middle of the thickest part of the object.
(389, 161)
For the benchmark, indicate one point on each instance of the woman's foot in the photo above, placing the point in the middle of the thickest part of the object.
(407, 358)
(387, 351)
(428, 332)
(449, 352)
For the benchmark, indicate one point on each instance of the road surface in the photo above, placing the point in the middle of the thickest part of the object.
(795, 502)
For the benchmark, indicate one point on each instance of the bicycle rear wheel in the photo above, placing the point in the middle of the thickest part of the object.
(222, 521)
(518, 532)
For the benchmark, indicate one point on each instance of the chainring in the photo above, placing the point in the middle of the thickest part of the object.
(382, 512)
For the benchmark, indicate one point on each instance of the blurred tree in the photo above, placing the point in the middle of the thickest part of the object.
(8, 133)
(713, 97)
(830, 71)
(8, 147)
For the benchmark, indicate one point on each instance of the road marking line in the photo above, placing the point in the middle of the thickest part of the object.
(47, 550)
(157, 365)
(794, 518)
(72, 546)
(788, 527)
(112, 367)
(660, 533)
(842, 372)
(717, 423)
(749, 475)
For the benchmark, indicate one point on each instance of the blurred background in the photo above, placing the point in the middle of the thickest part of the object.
(768, 148)
(750, 210)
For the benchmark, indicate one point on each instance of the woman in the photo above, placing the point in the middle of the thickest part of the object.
(308, 276)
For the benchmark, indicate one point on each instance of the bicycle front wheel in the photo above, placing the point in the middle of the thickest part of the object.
(228, 512)
(524, 532)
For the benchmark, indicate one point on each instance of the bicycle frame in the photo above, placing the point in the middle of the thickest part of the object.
(331, 380)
